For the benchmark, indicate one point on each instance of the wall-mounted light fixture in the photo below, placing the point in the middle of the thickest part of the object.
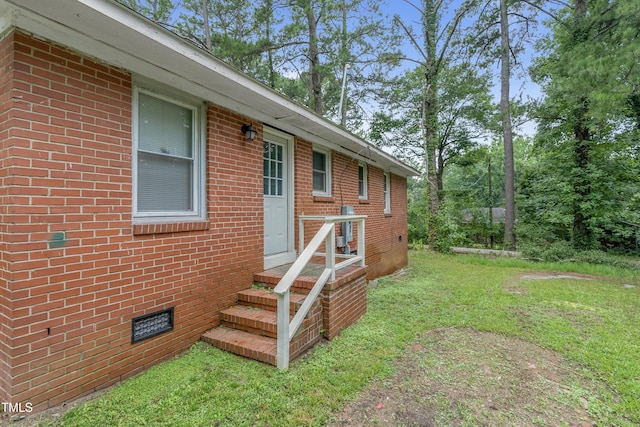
(249, 132)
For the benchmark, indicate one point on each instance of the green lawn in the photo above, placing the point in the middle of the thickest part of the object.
(595, 323)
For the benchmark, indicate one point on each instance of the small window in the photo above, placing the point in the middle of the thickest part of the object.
(168, 158)
(321, 172)
(387, 193)
(362, 180)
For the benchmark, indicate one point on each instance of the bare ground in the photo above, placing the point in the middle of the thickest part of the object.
(453, 377)
(462, 377)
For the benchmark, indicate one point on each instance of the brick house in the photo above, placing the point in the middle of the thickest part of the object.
(131, 193)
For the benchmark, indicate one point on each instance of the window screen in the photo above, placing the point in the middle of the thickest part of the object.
(387, 193)
(165, 175)
(362, 181)
(319, 171)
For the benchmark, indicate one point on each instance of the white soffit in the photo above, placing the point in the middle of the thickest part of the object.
(114, 34)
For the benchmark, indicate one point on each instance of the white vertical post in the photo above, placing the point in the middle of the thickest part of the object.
(330, 251)
(282, 355)
(361, 241)
(300, 235)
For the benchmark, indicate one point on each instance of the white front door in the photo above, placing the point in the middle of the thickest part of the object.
(278, 212)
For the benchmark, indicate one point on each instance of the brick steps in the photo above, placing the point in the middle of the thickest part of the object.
(243, 343)
(250, 328)
(265, 299)
(249, 319)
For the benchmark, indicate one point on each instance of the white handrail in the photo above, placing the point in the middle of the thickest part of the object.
(286, 329)
(294, 271)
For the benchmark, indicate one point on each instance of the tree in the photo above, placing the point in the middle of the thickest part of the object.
(475, 184)
(227, 29)
(507, 133)
(324, 37)
(493, 37)
(267, 21)
(463, 119)
(312, 13)
(433, 58)
(369, 52)
(590, 77)
(290, 45)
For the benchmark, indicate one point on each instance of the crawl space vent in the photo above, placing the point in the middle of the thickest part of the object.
(152, 324)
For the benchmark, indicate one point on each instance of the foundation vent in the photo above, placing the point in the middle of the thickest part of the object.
(152, 324)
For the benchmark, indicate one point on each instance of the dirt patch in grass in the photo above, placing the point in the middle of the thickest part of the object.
(453, 377)
(551, 275)
(514, 286)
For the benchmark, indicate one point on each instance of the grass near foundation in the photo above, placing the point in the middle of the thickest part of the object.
(595, 323)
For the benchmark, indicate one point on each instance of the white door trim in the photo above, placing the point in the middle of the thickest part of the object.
(290, 255)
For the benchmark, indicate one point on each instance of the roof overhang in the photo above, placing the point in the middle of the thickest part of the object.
(114, 34)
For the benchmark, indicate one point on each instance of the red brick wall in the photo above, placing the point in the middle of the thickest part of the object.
(385, 234)
(66, 173)
(344, 304)
(68, 159)
(67, 169)
(6, 123)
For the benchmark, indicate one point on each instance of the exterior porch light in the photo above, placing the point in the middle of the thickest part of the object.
(249, 132)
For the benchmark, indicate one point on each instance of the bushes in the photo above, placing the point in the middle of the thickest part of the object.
(540, 243)
(449, 233)
(563, 251)
(556, 251)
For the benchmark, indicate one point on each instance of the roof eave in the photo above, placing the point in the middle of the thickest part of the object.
(116, 35)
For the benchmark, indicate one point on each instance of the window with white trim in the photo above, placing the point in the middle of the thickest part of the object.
(168, 175)
(387, 193)
(362, 180)
(321, 172)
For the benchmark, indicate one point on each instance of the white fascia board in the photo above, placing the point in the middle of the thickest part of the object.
(7, 18)
(114, 34)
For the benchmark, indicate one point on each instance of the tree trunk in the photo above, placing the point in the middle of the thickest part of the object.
(490, 204)
(268, 22)
(434, 203)
(344, 36)
(430, 25)
(205, 19)
(440, 174)
(509, 173)
(315, 82)
(582, 236)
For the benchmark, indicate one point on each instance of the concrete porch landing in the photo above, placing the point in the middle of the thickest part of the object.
(311, 270)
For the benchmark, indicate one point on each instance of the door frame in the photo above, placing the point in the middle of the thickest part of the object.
(290, 255)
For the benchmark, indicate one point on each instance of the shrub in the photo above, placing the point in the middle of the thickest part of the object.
(560, 250)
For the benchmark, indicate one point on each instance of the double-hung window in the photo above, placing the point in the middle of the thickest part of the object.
(362, 180)
(321, 172)
(168, 158)
(387, 193)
